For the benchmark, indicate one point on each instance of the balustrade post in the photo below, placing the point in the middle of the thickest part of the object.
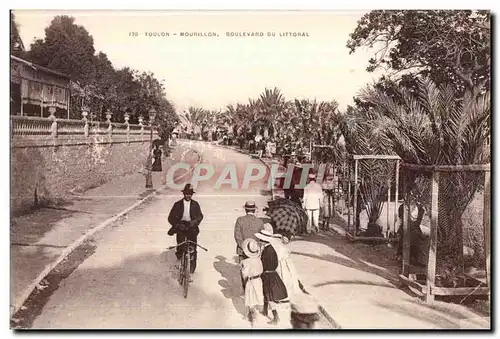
(52, 117)
(110, 126)
(141, 120)
(86, 122)
(94, 129)
(127, 126)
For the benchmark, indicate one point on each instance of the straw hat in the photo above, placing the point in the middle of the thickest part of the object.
(250, 205)
(269, 228)
(251, 248)
(265, 235)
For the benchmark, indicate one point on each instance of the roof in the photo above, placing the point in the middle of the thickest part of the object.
(40, 68)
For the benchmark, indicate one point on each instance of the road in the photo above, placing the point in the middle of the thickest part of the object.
(129, 282)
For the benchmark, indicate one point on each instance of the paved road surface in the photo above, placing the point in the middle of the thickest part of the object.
(129, 282)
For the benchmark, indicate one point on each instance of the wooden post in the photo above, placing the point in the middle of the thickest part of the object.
(396, 197)
(41, 103)
(355, 200)
(334, 171)
(388, 204)
(22, 80)
(68, 100)
(431, 263)
(311, 149)
(487, 226)
(348, 203)
(406, 236)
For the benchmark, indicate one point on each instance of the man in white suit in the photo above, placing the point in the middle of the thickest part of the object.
(313, 199)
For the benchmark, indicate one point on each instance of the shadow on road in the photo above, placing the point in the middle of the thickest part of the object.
(231, 283)
(371, 259)
(377, 260)
(433, 317)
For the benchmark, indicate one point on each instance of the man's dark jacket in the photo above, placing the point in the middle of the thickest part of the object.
(175, 216)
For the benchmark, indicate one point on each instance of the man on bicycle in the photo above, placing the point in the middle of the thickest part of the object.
(185, 218)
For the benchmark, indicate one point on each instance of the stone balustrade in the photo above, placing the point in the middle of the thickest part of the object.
(51, 130)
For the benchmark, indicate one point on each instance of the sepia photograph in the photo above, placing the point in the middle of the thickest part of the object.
(323, 170)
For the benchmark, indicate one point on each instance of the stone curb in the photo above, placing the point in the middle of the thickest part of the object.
(67, 251)
(322, 309)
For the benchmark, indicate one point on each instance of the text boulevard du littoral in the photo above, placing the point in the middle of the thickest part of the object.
(215, 34)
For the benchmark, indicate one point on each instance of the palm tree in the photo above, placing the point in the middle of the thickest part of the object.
(251, 115)
(433, 127)
(230, 118)
(269, 105)
(375, 176)
(328, 133)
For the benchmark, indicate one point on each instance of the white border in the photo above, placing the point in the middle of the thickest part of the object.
(179, 5)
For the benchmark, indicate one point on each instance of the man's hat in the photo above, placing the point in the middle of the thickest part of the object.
(188, 189)
(250, 205)
(265, 235)
(251, 248)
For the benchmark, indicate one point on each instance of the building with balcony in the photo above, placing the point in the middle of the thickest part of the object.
(34, 88)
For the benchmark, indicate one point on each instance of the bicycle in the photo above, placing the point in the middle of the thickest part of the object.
(185, 266)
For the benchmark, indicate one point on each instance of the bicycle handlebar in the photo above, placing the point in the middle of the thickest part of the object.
(187, 241)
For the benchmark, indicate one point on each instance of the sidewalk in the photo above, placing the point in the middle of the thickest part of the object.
(358, 287)
(42, 238)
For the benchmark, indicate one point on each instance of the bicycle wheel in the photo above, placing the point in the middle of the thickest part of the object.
(187, 271)
(181, 272)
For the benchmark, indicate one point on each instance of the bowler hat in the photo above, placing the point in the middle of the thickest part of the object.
(188, 189)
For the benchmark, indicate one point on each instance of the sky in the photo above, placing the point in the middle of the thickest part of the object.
(212, 72)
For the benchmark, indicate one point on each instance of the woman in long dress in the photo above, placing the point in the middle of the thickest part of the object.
(286, 269)
(157, 159)
(273, 287)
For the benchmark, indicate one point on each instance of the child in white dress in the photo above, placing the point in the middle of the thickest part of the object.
(251, 270)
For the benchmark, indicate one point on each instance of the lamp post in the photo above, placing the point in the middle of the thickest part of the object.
(149, 176)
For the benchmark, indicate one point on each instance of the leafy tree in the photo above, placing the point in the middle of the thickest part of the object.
(450, 46)
(16, 45)
(126, 88)
(103, 81)
(68, 48)
(166, 119)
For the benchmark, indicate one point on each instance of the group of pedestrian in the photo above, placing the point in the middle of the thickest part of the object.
(316, 199)
(269, 278)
